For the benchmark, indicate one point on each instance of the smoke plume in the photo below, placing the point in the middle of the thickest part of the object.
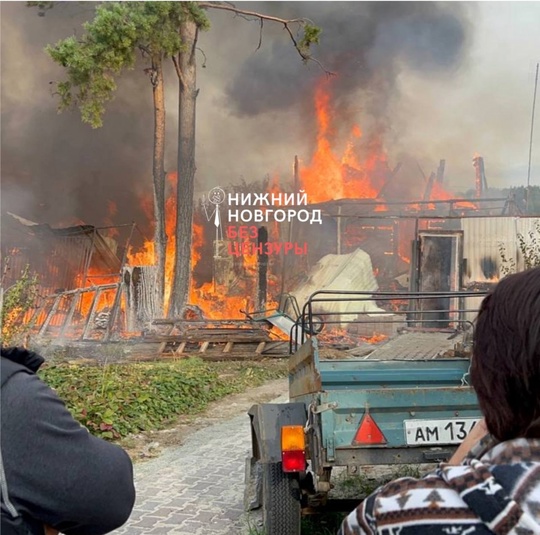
(365, 45)
(255, 108)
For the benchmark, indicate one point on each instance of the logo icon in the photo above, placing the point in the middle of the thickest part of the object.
(216, 196)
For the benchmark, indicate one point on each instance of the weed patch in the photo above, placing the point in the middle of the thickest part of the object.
(116, 400)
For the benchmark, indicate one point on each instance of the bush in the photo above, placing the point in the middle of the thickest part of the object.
(16, 301)
(115, 400)
(528, 247)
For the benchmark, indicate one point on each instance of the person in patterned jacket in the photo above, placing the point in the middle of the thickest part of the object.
(492, 482)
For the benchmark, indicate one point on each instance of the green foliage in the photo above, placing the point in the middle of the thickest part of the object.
(197, 14)
(355, 487)
(16, 302)
(113, 401)
(405, 470)
(528, 247)
(361, 485)
(109, 46)
(508, 263)
(311, 36)
(358, 486)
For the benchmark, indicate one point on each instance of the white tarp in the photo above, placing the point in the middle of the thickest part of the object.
(351, 271)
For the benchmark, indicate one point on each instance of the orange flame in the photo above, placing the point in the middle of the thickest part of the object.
(375, 339)
(438, 193)
(215, 302)
(331, 177)
(145, 255)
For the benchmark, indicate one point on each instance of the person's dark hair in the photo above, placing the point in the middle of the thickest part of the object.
(505, 369)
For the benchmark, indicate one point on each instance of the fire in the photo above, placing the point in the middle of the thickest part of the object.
(438, 193)
(213, 300)
(360, 170)
(375, 339)
(143, 257)
(196, 244)
(349, 176)
(404, 258)
(95, 278)
(146, 255)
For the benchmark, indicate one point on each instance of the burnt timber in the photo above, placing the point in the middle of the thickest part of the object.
(216, 340)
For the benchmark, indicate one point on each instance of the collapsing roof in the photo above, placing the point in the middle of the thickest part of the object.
(103, 256)
(62, 257)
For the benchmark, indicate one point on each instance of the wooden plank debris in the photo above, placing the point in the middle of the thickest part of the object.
(215, 340)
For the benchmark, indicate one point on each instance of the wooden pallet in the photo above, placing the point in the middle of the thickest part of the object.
(216, 340)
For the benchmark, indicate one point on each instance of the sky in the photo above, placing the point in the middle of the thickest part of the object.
(487, 107)
(435, 80)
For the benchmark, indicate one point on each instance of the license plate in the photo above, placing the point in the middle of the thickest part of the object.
(430, 432)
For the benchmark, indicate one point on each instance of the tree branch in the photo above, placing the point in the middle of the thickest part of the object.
(233, 9)
(144, 49)
(194, 47)
(178, 71)
(204, 56)
(263, 17)
(260, 35)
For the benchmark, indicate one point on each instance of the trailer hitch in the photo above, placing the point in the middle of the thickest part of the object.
(323, 407)
(317, 409)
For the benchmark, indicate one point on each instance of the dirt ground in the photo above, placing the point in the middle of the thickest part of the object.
(151, 444)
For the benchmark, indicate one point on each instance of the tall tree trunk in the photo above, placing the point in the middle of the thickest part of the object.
(158, 172)
(186, 168)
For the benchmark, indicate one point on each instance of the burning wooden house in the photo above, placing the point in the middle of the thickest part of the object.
(79, 271)
(415, 233)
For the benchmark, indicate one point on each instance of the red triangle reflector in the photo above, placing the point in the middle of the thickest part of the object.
(368, 432)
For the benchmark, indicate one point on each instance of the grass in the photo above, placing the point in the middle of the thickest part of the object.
(354, 487)
(116, 400)
(361, 485)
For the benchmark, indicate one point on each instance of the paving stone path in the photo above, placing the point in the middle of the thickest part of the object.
(196, 488)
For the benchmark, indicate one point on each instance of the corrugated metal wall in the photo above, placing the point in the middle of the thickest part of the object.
(483, 238)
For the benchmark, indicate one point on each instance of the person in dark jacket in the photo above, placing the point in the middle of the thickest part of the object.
(57, 475)
(492, 483)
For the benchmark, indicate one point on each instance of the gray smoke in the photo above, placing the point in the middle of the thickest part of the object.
(55, 169)
(255, 109)
(366, 45)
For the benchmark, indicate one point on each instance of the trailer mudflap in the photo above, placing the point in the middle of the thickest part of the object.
(266, 423)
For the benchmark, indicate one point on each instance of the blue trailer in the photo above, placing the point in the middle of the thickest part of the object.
(405, 402)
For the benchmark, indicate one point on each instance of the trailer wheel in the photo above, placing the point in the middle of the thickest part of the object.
(281, 501)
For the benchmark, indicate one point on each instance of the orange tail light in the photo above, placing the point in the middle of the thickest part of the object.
(293, 448)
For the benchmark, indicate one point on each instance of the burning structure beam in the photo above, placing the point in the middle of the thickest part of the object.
(480, 177)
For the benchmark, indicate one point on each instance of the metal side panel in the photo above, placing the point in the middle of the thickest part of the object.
(389, 408)
(304, 376)
(393, 374)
